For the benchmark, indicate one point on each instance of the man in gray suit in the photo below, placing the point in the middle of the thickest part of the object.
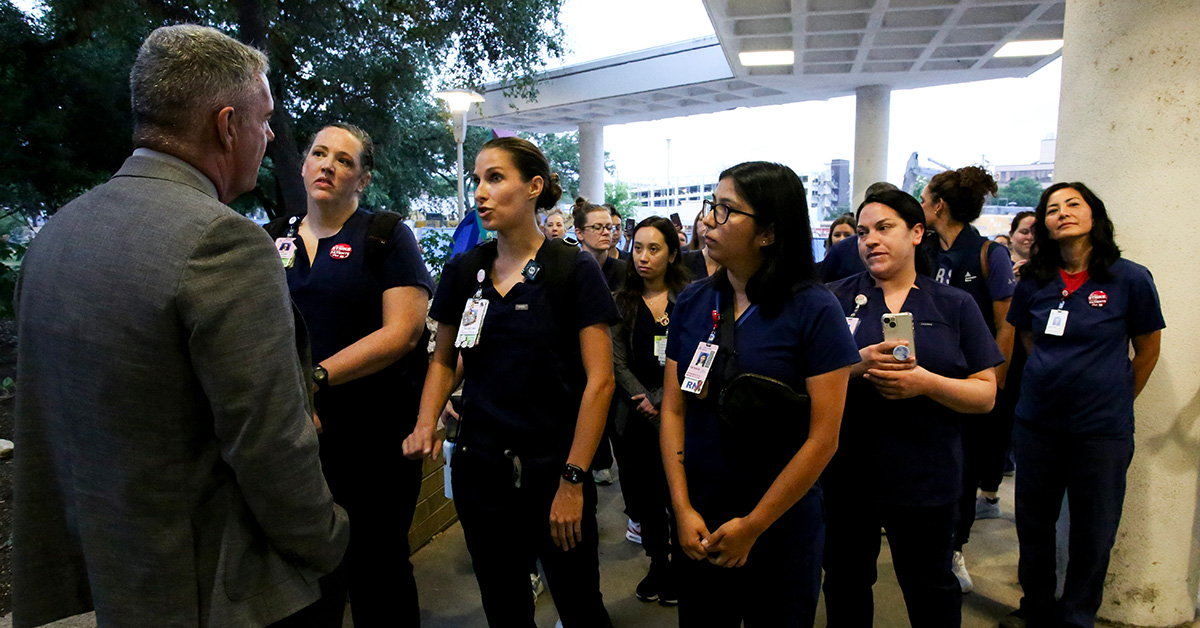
(167, 472)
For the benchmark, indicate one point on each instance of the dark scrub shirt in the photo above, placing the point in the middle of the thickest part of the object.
(1082, 382)
(807, 338)
(642, 361)
(964, 252)
(910, 450)
(342, 302)
(517, 391)
(697, 267)
(841, 261)
(614, 273)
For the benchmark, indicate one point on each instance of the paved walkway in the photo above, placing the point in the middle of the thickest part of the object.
(450, 597)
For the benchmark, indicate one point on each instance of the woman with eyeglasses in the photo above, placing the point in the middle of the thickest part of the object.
(1079, 309)
(899, 461)
(597, 234)
(744, 483)
(531, 319)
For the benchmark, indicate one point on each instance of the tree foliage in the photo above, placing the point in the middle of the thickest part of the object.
(370, 62)
(620, 196)
(1025, 192)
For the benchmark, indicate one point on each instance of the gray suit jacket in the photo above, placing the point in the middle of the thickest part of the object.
(167, 472)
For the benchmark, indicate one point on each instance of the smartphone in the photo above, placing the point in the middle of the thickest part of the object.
(629, 224)
(900, 327)
(676, 221)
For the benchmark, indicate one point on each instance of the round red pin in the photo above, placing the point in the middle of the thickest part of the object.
(340, 251)
(1097, 299)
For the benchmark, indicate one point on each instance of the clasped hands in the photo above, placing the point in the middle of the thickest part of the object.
(728, 546)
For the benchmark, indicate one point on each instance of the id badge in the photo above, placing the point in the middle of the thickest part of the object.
(660, 349)
(1057, 323)
(698, 367)
(852, 323)
(287, 251)
(471, 324)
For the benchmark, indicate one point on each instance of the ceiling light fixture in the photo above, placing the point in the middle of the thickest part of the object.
(767, 57)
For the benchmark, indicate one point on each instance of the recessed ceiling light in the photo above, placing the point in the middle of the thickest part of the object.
(767, 57)
(1037, 48)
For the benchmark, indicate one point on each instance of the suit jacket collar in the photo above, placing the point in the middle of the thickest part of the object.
(151, 164)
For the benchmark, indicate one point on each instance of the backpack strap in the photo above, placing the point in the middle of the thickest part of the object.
(278, 227)
(558, 261)
(379, 241)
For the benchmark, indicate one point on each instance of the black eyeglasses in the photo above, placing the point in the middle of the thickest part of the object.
(720, 212)
(599, 228)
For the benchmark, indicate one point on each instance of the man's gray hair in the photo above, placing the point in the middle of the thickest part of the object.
(185, 73)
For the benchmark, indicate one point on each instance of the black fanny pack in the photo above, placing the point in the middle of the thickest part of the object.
(755, 406)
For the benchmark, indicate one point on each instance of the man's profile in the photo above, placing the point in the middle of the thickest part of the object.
(168, 472)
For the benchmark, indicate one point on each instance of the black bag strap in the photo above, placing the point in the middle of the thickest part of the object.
(379, 241)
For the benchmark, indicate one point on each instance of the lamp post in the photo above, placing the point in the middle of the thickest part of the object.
(459, 101)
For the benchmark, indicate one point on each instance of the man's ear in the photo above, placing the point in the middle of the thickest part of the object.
(226, 129)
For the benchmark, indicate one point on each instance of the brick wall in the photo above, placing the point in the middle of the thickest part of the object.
(434, 512)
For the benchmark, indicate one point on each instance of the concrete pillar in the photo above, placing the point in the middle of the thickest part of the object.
(873, 108)
(1129, 127)
(591, 162)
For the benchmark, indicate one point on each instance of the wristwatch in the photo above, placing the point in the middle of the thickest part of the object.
(320, 376)
(573, 474)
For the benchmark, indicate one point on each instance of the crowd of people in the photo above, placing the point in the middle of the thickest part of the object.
(207, 436)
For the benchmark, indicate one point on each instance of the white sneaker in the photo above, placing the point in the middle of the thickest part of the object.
(633, 532)
(959, 566)
(535, 581)
(603, 477)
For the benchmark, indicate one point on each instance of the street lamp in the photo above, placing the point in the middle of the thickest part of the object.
(459, 101)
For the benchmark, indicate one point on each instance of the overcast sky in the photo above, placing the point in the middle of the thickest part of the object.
(1004, 120)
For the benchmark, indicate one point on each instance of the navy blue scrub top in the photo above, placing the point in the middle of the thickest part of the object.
(517, 391)
(1082, 382)
(909, 451)
(841, 261)
(342, 300)
(807, 338)
(1000, 281)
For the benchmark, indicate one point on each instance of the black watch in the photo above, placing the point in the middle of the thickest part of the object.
(320, 376)
(573, 474)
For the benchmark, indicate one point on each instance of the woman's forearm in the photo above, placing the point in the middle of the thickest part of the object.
(596, 349)
(403, 323)
(974, 395)
(441, 379)
(670, 437)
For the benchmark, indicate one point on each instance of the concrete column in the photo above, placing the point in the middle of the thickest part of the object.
(591, 162)
(1129, 127)
(873, 109)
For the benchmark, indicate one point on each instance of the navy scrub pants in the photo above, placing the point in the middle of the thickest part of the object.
(1091, 471)
(507, 528)
(922, 544)
(778, 586)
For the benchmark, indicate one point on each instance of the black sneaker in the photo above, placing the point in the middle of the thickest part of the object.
(668, 591)
(649, 589)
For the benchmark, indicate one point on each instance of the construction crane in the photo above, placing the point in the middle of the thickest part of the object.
(914, 170)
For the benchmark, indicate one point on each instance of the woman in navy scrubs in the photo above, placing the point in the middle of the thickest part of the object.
(534, 404)
(1078, 308)
(965, 259)
(753, 526)
(365, 325)
(646, 301)
(899, 463)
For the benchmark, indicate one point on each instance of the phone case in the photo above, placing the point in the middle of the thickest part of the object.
(900, 327)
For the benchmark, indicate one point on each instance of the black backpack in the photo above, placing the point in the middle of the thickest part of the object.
(557, 259)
